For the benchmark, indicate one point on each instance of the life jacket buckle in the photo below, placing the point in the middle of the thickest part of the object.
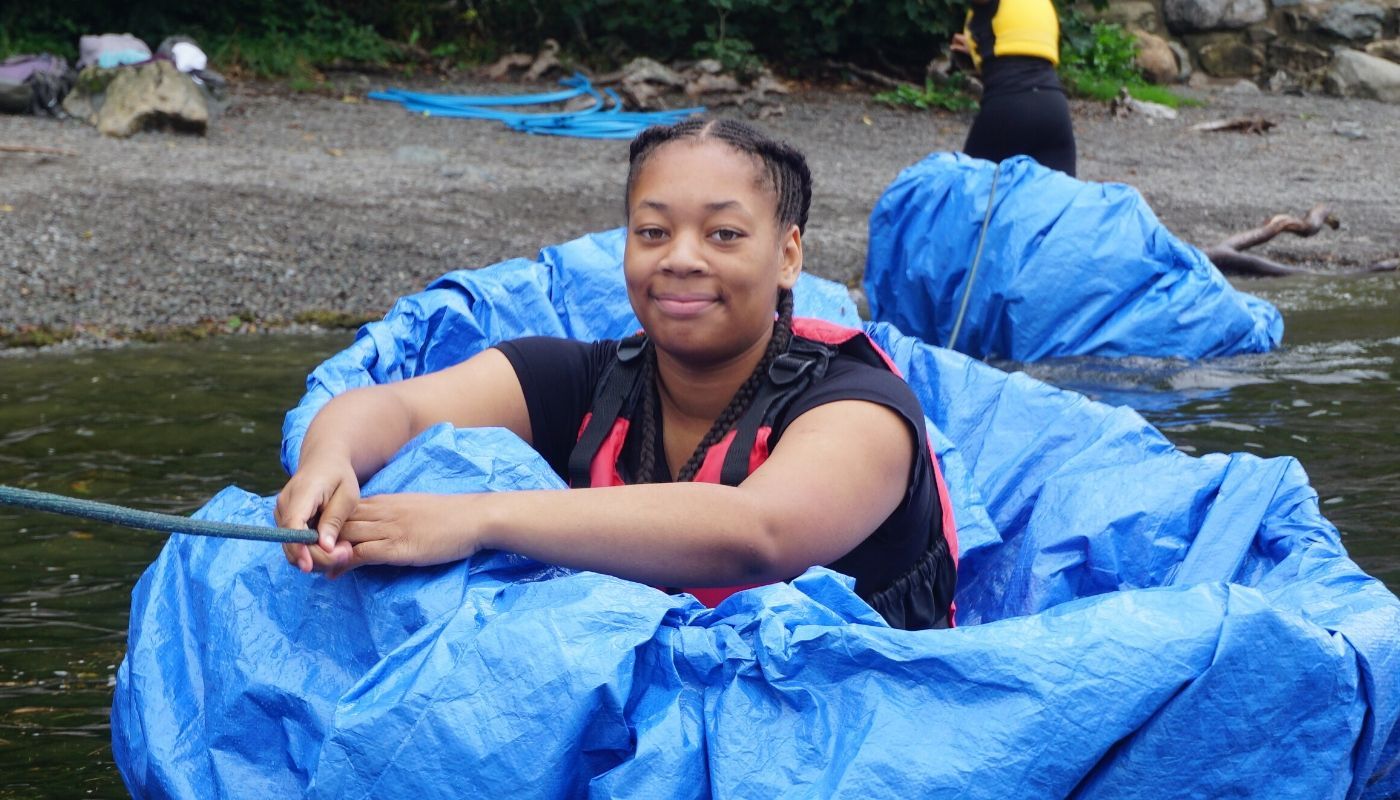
(630, 348)
(789, 366)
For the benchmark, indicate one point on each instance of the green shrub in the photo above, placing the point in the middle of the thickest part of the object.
(1097, 59)
(951, 97)
(267, 37)
(1101, 50)
(277, 47)
(276, 37)
(39, 30)
(894, 34)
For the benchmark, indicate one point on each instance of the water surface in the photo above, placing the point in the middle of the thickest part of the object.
(1330, 398)
(158, 427)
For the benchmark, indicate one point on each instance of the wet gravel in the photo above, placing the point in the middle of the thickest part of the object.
(296, 203)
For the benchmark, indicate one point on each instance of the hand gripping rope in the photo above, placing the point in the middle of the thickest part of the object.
(148, 520)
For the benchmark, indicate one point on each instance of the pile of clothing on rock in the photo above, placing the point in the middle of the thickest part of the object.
(118, 85)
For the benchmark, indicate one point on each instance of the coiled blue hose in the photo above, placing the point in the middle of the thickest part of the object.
(598, 121)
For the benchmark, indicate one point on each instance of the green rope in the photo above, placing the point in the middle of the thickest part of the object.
(147, 520)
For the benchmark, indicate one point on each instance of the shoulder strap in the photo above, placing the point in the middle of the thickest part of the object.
(788, 376)
(615, 387)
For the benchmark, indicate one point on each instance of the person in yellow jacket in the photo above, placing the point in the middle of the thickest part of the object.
(1015, 45)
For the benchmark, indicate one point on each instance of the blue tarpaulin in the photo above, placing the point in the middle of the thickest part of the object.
(1067, 268)
(1133, 621)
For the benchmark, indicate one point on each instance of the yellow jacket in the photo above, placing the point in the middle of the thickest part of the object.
(1013, 28)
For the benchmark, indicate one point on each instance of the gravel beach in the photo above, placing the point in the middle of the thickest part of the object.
(299, 203)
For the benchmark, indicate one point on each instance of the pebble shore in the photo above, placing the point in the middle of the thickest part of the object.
(302, 207)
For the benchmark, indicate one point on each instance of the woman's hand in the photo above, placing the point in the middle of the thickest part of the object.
(407, 530)
(959, 44)
(326, 496)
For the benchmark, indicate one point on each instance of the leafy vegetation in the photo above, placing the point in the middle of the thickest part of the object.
(35, 336)
(265, 37)
(280, 48)
(1102, 50)
(1097, 60)
(290, 37)
(951, 96)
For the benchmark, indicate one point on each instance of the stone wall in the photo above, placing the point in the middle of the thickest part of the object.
(1344, 47)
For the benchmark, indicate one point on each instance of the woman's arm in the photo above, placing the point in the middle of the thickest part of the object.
(837, 472)
(358, 432)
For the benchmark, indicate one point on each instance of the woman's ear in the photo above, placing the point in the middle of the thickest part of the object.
(792, 258)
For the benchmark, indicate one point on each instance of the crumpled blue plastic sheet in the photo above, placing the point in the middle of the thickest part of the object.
(1133, 621)
(1068, 268)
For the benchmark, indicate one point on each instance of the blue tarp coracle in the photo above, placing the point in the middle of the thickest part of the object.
(1134, 621)
(1068, 268)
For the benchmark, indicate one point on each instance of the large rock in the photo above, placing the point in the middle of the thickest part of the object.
(1355, 74)
(1186, 16)
(125, 100)
(1225, 56)
(1354, 20)
(1155, 58)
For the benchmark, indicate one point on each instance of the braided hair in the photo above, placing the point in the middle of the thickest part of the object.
(784, 170)
(784, 167)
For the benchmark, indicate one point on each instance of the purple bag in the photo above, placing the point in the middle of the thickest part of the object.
(17, 69)
(34, 84)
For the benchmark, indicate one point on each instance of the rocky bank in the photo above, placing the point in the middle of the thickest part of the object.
(303, 206)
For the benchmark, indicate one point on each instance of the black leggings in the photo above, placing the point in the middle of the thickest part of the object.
(1034, 122)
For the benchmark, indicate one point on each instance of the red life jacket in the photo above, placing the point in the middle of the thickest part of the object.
(595, 458)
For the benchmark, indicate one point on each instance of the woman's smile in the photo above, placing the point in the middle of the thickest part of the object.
(685, 304)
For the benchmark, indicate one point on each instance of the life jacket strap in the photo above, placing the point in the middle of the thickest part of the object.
(788, 376)
(617, 386)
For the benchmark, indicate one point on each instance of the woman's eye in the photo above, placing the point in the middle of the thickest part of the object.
(650, 234)
(726, 235)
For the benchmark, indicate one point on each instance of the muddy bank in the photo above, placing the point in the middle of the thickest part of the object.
(298, 205)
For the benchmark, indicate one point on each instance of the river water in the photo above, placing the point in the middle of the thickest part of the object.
(164, 427)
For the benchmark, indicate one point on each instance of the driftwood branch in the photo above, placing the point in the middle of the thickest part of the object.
(1258, 125)
(867, 75)
(1305, 227)
(1227, 255)
(34, 148)
(535, 66)
(506, 63)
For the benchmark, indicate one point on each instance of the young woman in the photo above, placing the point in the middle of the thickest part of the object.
(1015, 46)
(721, 448)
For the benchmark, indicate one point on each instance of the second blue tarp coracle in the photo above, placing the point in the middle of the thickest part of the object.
(1066, 268)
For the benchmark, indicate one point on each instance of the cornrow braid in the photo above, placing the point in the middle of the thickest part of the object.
(646, 462)
(739, 403)
(784, 167)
